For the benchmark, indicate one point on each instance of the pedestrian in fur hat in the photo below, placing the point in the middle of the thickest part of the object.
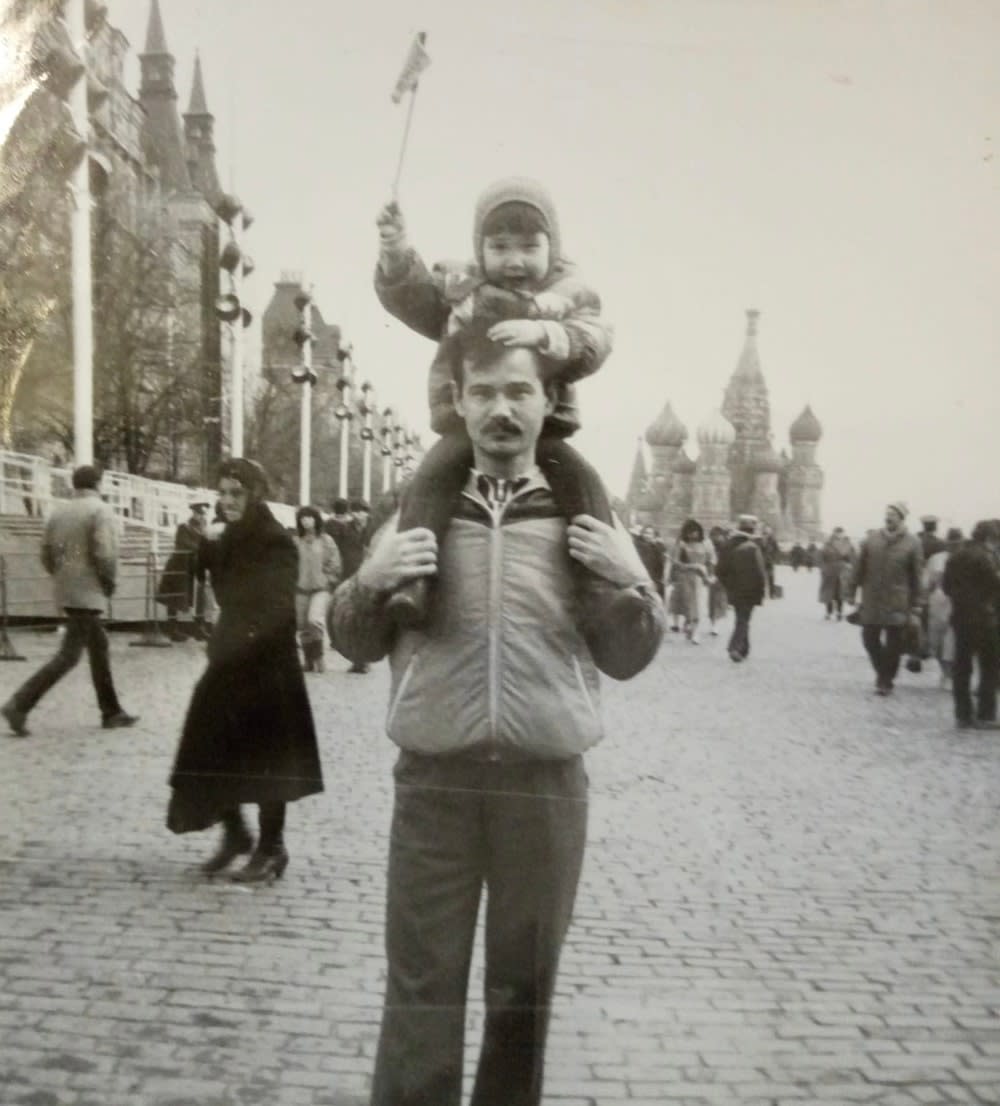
(522, 284)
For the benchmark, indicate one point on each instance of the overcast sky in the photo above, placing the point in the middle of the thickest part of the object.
(832, 164)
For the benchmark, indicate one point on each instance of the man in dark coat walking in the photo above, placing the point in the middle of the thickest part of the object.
(889, 572)
(972, 583)
(743, 573)
(349, 528)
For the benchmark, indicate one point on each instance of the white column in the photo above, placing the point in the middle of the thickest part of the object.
(82, 273)
(236, 347)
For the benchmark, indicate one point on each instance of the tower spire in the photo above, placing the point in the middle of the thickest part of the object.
(198, 104)
(156, 39)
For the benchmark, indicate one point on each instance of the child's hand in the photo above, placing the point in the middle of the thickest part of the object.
(391, 226)
(519, 332)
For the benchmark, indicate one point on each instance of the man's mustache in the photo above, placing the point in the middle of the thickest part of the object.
(502, 425)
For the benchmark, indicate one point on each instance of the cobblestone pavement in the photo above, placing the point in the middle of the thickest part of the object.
(791, 895)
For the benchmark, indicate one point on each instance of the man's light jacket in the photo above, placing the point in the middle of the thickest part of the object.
(501, 668)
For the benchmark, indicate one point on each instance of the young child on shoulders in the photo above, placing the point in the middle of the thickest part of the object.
(535, 298)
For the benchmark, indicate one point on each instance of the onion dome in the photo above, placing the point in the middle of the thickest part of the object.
(767, 460)
(716, 430)
(806, 427)
(667, 429)
(683, 465)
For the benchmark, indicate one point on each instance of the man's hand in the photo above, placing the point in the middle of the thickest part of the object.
(519, 332)
(398, 556)
(391, 227)
(605, 550)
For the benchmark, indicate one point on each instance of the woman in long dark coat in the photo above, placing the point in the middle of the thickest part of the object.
(249, 735)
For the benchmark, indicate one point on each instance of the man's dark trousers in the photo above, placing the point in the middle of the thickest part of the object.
(83, 631)
(885, 656)
(458, 823)
(739, 642)
(975, 640)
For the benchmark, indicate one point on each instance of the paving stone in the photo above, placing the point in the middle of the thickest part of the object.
(789, 896)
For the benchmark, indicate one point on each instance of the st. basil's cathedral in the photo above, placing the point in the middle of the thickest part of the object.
(737, 470)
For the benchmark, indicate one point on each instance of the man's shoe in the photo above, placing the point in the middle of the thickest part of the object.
(964, 724)
(407, 606)
(358, 670)
(16, 719)
(987, 724)
(735, 656)
(119, 720)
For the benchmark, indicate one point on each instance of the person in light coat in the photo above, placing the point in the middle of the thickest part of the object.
(494, 701)
(80, 553)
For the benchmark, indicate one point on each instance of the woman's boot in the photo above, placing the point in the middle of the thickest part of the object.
(236, 840)
(270, 858)
(318, 663)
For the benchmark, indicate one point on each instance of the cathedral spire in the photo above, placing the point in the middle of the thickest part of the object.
(198, 105)
(199, 137)
(158, 97)
(156, 39)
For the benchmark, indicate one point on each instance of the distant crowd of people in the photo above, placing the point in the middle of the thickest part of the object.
(915, 596)
(699, 578)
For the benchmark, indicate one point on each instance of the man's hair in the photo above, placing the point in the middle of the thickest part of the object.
(86, 476)
(986, 530)
(340, 507)
(471, 346)
(360, 505)
(747, 523)
(515, 217)
(309, 512)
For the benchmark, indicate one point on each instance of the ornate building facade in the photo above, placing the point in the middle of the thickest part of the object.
(737, 470)
(156, 239)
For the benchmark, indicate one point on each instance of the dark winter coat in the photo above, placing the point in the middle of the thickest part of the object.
(888, 571)
(249, 735)
(176, 590)
(350, 543)
(742, 570)
(972, 584)
(654, 559)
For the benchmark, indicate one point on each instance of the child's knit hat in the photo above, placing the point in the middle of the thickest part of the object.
(517, 190)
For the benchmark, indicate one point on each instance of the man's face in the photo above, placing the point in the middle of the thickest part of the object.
(893, 519)
(504, 406)
(361, 517)
(516, 261)
(648, 533)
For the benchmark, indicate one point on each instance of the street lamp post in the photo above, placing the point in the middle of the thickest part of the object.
(344, 414)
(229, 308)
(303, 375)
(387, 431)
(367, 408)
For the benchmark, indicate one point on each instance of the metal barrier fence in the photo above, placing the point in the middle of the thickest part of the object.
(146, 586)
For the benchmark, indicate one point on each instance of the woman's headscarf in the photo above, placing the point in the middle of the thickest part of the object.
(249, 473)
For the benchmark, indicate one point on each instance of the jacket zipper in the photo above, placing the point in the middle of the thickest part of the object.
(496, 564)
(495, 596)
